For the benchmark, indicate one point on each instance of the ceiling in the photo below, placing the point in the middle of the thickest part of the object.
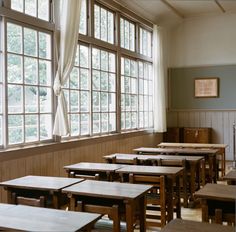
(169, 11)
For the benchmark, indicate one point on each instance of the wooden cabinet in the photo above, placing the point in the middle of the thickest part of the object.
(173, 135)
(197, 135)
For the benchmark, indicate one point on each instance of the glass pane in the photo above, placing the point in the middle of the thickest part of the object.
(141, 91)
(141, 107)
(112, 62)
(97, 21)
(31, 99)
(15, 129)
(104, 122)
(146, 119)
(104, 81)
(84, 127)
(74, 101)
(96, 58)
(44, 45)
(15, 99)
(133, 102)
(104, 60)
(66, 94)
(30, 68)
(96, 80)
(141, 120)
(150, 104)
(127, 103)
(74, 78)
(146, 103)
(45, 72)
(14, 38)
(112, 122)
(74, 124)
(30, 42)
(14, 68)
(112, 82)
(133, 120)
(122, 121)
(31, 128)
(127, 85)
(145, 87)
(96, 123)
(128, 120)
(83, 18)
(96, 101)
(127, 67)
(123, 102)
(1, 100)
(84, 101)
(122, 33)
(133, 68)
(122, 66)
(17, 5)
(110, 27)
(140, 69)
(112, 102)
(104, 102)
(84, 79)
(126, 42)
(122, 84)
(1, 133)
(43, 9)
(132, 37)
(30, 7)
(45, 126)
(150, 119)
(133, 85)
(83, 55)
(45, 100)
(103, 24)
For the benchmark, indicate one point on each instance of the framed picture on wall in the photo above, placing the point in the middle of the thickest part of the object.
(206, 87)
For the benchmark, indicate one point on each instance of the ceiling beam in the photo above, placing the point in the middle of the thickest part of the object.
(220, 6)
(173, 8)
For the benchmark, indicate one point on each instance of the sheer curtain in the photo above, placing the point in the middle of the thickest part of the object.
(69, 30)
(159, 81)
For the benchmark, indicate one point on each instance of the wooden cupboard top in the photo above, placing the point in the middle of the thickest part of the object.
(111, 190)
(219, 192)
(87, 166)
(150, 170)
(27, 218)
(193, 145)
(41, 182)
(179, 225)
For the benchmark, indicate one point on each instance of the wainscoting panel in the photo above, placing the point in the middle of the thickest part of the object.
(221, 122)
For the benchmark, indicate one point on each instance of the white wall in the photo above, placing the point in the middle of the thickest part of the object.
(205, 40)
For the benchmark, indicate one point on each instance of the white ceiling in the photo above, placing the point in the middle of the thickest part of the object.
(169, 11)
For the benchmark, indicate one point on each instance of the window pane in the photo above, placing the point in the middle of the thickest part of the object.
(74, 101)
(97, 21)
(15, 99)
(30, 68)
(84, 79)
(44, 45)
(45, 126)
(31, 128)
(74, 78)
(31, 99)
(45, 100)
(104, 81)
(103, 25)
(14, 38)
(30, 42)
(17, 5)
(15, 129)
(84, 101)
(43, 9)
(104, 122)
(45, 72)
(84, 127)
(96, 123)
(75, 122)
(83, 18)
(83, 56)
(127, 34)
(30, 7)
(14, 68)
(96, 80)
(145, 42)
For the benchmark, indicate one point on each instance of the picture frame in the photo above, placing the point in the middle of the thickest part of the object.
(206, 87)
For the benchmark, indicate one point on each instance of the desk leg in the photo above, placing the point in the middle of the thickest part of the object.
(170, 202)
(72, 206)
(178, 203)
(205, 216)
(212, 168)
(192, 181)
(55, 201)
(142, 214)
(203, 172)
(129, 206)
(223, 162)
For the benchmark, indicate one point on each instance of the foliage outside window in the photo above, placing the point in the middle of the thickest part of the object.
(36, 8)
(103, 24)
(129, 94)
(145, 42)
(29, 85)
(127, 34)
(103, 91)
(77, 92)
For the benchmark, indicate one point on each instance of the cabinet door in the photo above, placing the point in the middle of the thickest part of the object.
(173, 135)
(197, 135)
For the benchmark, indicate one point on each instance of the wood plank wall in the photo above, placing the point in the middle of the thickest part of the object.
(221, 122)
(51, 163)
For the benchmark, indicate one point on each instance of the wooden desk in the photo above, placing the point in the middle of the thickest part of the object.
(47, 186)
(220, 147)
(172, 175)
(209, 154)
(128, 195)
(178, 225)
(230, 177)
(26, 218)
(86, 168)
(222, 196)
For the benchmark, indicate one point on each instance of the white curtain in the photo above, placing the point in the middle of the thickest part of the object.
(159, 81)
(69, 30)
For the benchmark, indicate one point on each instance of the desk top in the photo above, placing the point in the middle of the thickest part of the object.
(217, 192)
(193, 145)
(46, 183)
(86, 166)
(150, 170)
(173, 150)
(27, 218)
(230, 175)
(179, 225)
(111, 190)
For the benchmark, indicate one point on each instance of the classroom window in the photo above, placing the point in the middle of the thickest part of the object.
(28, 84)
(1, 100)
(36, 8)
(129, 94)
(83, 18)
(127, 34)
(103, 24)
(77, 92)
(103, 91)
(145, 94)
(145, 42)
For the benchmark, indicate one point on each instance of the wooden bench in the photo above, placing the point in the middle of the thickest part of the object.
(18, 200)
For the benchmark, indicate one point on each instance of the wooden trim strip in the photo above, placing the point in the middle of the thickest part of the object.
(173, 9)
(220, 6)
